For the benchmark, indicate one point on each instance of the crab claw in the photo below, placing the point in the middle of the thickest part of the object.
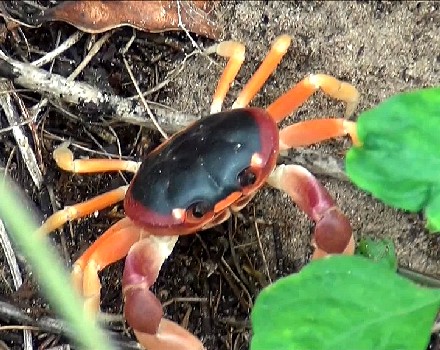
(333, 234)
(143, 311)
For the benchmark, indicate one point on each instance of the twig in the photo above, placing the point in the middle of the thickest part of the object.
(16, 274)
(10, 257)
(11, 127)
(182, 26)
(92, 52)
(10, 313)
(19, 134)
(8, 164)
(193, 43)
(419, 278)
(36, 109)
(4, 238)
(80, 93)
(138, 90)
(235, 258)
(72, 40)
(83, 148)
(237, 279)
(171, 75)
(266, 267)
(318, 163)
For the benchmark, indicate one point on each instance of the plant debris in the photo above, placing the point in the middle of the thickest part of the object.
(150, 16)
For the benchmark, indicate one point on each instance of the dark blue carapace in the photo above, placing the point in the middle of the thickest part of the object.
(202, 165)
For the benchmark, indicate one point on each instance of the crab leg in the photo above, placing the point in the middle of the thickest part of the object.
(113, 245)
(145, 256)
(235, 51)
(82, 209)
(64, 158)
(267, 67)
(333, 234)
(143, 310)
(298, 94)
(308, 132)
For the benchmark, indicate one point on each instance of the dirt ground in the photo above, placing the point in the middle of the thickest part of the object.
(381, 47)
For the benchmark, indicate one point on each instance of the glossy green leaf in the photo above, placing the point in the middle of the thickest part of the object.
(344, 302)
(399, 160)
(381, 251)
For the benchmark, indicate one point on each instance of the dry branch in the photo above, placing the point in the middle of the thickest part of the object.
(82, 94)
(16, 120)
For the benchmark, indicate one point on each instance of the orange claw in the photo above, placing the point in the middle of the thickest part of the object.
(333, 234)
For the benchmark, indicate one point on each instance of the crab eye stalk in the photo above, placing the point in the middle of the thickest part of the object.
(198, 209)
(246, 177)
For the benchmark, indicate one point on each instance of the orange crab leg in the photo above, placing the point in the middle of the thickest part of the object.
(80, 210)
(64, 159)
(316, 130)
(267, 67)
(235, 51)
(145, 256)
(333, 234)
(143, 310)
(113, 245)
(297, 95)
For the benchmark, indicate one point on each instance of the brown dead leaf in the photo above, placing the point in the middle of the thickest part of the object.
(149, 16)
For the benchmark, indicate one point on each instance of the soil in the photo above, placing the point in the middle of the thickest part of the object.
(380, 47)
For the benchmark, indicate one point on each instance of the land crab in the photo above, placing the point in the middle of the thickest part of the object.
(196, 179)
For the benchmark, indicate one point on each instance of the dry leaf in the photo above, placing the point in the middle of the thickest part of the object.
(149, 16)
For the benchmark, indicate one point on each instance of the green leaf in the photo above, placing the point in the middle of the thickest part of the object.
(344, 302)
(399, 160)
(381, 251)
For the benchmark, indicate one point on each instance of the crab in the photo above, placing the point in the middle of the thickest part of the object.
(196, 179)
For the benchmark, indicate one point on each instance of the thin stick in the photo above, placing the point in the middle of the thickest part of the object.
(266, 267)
(72, 40)
(20, 135)
(10, 257)
(182, 26)
(80, 93)
(15, 272)
(47, 324)
(138, 90)
(92, 52)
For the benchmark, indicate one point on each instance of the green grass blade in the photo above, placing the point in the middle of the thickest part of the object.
(50, 273)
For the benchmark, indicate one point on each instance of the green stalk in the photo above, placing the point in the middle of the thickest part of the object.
(49, 271)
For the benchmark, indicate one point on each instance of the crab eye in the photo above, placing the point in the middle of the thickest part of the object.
(246, 177)
(198, 209)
